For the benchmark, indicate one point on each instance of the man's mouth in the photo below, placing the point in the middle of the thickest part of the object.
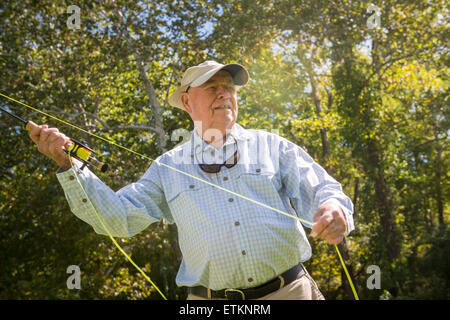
(222, 108)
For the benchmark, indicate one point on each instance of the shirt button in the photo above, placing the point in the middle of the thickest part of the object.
(250, 279)
(71, 177)
(191, 186)
(257, 170)
(84, 200)
(236, 223)
(230, 200)
(225, 178)
(244, 253)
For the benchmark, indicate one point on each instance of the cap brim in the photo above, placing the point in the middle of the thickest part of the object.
(238, 73)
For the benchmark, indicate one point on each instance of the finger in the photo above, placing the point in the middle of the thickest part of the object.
(335, 237)
(317, 227)
(319, 213)
(321, 225)
(45, 132)
(43, 143)
(56, 142)
(334, 232)
(34, 131)
(340, 220)
(327, 232)
(336, 240)
(339, 223)
(59, 139)
(330, 232)
(55, 136)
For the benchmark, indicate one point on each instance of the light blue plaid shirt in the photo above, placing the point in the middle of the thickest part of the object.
(226, 241)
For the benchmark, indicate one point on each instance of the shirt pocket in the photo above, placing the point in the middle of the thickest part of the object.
(260, 182)
(185, 189)
(264, 185)
(186, 198)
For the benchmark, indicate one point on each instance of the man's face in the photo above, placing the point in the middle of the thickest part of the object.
(214, 103)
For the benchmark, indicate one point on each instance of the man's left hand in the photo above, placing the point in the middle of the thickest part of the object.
(329, 223)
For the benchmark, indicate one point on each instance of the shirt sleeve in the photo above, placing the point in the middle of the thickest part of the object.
(308, 185)
(125, 212)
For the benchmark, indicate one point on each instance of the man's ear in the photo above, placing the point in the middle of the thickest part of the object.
(184, 100)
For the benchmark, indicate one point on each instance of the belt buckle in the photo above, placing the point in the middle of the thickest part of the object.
(234, 295)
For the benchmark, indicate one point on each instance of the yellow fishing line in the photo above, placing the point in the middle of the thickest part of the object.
(182, 172)
(114, 240)
(347, 274)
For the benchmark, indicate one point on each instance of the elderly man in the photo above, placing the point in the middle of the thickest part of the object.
(222, 195)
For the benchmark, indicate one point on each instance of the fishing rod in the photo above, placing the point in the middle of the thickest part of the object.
(77, 150)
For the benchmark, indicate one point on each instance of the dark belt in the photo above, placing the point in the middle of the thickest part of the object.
(251, 293)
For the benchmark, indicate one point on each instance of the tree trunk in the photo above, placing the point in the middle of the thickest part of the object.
(438, 167)
(157, 126)
(154, 103)
(323, 131)
(375, 168)
(383, 199)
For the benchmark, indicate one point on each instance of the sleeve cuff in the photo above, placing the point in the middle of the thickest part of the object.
(75, 194)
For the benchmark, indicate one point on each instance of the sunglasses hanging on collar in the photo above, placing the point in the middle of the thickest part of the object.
(229, 163)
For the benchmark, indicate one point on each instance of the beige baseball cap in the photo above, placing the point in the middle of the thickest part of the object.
(198, 75)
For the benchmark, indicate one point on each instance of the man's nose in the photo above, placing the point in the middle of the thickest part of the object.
(223, 92)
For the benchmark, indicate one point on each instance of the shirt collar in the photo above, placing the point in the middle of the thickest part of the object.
(206, 153)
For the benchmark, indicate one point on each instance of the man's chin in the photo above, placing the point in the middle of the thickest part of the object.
(223, 115)
(225, 128)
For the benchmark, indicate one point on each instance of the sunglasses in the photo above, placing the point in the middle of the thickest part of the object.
(215, 168)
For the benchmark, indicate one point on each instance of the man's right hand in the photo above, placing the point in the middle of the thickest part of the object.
(51, 143)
